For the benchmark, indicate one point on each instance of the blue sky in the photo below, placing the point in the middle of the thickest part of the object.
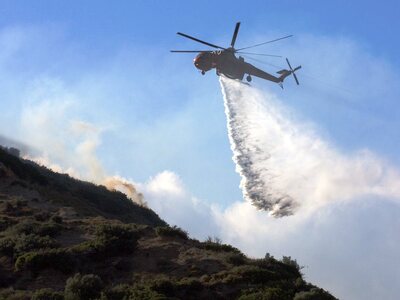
(109, 65)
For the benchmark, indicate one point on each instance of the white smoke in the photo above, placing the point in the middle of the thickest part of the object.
(285, 165)
(67, 144)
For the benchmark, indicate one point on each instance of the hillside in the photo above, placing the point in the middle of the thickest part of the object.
(62, 238)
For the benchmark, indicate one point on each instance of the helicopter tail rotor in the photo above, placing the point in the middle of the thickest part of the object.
(292, 71)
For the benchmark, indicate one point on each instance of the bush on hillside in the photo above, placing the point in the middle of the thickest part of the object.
(6, 222)
(83, 287)
(42, 229)
(118, 292)
(110, 240)
(314, 294)
(47, 294)
(236, 259)
(29, 242)
(265, 294)
(174, 231)
(250, 274)
(215, 244)
(287, 260)
(11, 294)
(7, 246)
(58, 259)
(145, 292)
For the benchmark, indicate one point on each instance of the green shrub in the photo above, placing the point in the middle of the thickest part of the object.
(253, 274)
(26, 243)
(314, 294)
(217, 246)
(56, 219)
(47, 294)
(266, 294)
(25, 227)
(287, 260)
(236, 259)
(83, 287)
(110, 240)
(138, 292)
(58, 259)
(42, 216)
(190, 285)
(42, 229)
(164, 286)
(7, 246)
(118, 292)
(174, 231)
(50, 229)
(6, 222)
(11, 294)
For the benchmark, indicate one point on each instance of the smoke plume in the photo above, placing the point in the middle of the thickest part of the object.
(284, 165)
(68, 145)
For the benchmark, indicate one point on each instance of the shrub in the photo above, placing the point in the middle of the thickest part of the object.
(118, 292)
(217, 246)
(314, 294)
(6, 222)
(11, 294)
(47, 294)
(58, 259)
(111, 240)
(119, 233)
(190, 285)
(56, 219)
(50, 229)
(145, 292)
(174, 231)
(26, 243)
(253, 274)
(164, 286)
(236, 259)
(42, 216)
(266, 294)
(83, 287)
(287, 260)
(25, 227)
(7, 246)
(269, 262)
(42, 229)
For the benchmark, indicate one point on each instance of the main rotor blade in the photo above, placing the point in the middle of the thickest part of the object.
(289, 64)
(235, 33)
(285, 37)
(295, 78)
(297, 68)
(260, 54)
(189, 51)
(200, 41)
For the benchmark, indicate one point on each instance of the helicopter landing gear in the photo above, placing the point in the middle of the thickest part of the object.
(248, 78)
(203, 72)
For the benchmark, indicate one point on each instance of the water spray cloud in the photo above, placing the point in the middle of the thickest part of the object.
(285, 166)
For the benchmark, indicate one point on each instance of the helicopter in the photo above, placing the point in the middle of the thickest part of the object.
(225, 61)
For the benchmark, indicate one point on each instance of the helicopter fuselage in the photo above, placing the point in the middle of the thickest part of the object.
(224, 61)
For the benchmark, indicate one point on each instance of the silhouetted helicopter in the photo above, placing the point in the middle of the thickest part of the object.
(225, 61)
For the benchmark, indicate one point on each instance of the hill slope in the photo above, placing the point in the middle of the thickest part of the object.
(61, 238)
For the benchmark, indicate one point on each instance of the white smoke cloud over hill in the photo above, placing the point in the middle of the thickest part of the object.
(285, 166)
(65, 143)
